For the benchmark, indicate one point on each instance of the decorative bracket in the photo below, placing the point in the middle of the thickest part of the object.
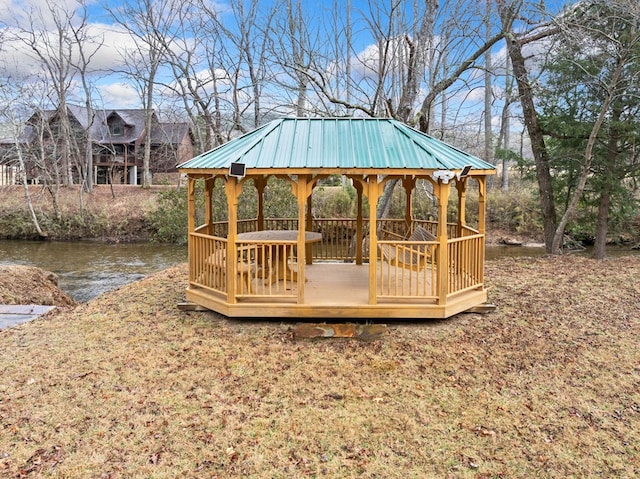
(445, 175)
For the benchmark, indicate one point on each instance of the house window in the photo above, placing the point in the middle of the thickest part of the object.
(116, 128)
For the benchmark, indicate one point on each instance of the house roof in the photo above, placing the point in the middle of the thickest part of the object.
(169, 133)
(133, 119)
(161, 133)
(336, 143)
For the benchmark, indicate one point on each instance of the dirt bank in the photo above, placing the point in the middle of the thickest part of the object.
(117, 214)
(30, 285)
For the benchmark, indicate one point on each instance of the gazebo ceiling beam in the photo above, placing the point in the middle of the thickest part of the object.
(398, 172)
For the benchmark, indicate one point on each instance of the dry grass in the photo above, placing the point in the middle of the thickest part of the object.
(127, 386)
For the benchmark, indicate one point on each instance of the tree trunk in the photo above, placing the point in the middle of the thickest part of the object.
(540, 154)
(504, 137)
(488, 91)
(27, 196)
(384, 203)
(602, 225)
(606, 191)
(148, 123)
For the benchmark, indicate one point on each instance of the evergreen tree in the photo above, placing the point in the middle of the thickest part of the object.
(590, 106)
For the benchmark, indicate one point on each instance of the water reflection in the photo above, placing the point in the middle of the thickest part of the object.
(502, 251)
(87, 269)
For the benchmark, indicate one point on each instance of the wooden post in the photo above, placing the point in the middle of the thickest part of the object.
(482, 197)
(191, 204)
(191, 225)
(374, 193)
(461, 186)
(232, 190)
(260, 182)
(359, 218)
(309, 227)
(208, 207)
(302, 193)
(409, 185)
(442, 192)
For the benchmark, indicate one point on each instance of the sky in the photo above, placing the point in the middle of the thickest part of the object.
(114, 90)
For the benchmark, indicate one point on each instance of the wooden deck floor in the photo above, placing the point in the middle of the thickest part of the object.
(338, 284)
(334, 290)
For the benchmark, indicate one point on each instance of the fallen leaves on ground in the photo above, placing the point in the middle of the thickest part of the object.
(128, 386)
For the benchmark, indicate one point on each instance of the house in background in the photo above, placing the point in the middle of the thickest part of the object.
(117, 145)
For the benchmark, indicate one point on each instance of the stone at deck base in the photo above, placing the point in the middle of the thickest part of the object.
(339, 330)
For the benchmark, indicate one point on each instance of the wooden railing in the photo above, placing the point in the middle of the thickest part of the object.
(207, 265)
(407, 269)
(259, 276)
(338, 234)
(257, 271)
(288, 224)
(272, 265)
(465, 263)
(338, 239)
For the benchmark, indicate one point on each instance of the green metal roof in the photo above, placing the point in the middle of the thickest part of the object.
(336, 143)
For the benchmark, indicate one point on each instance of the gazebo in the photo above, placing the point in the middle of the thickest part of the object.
(362, 267)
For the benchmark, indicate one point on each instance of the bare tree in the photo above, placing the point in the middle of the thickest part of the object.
(18, 95)
(415, 47)
(48, 37)
(196, 60)
(150, 23)
(488, 89)
(87, 48)
(504, 135)
(249, 35)
(294, 49)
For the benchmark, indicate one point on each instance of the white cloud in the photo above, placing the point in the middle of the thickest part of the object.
(110, 42)
(17, 12)
(104, 44)
(366, 62)
(119, 95)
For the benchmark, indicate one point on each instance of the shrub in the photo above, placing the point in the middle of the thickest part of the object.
(16, 225)
(515, 210)
(169, 221)
(334, 202)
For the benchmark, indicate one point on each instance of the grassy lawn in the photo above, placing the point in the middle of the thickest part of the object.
(128, 386)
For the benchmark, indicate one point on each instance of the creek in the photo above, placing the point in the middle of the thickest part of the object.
(86, 268)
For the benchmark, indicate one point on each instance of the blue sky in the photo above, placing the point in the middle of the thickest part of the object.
(114, 89)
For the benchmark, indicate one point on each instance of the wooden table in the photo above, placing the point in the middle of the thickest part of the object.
(282, 270)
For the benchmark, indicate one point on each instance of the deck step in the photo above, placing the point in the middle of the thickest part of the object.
(189, 306)
(14, 314)
(482, 308)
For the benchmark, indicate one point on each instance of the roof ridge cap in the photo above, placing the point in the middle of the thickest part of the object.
(272, 125)
(402, 127)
